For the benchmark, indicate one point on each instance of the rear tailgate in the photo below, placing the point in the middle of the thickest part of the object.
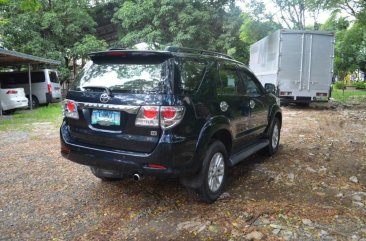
(108, 120)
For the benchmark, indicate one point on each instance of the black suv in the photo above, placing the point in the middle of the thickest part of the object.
(175, 113)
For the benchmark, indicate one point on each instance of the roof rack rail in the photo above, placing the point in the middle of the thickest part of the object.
(198, 51)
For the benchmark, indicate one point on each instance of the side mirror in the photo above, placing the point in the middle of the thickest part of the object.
(270, 88)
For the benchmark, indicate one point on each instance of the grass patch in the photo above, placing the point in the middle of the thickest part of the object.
(348, 95)
(24, 119)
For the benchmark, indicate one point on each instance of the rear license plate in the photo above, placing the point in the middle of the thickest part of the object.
(106, 118)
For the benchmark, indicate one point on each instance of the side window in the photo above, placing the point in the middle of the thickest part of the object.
(229, 82)
(251, 86)
(38, 77)
(192, 73)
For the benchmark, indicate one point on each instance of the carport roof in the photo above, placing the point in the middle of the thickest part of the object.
(11, 58)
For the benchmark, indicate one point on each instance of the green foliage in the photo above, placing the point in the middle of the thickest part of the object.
(339, 85)
(211, 25)
(88, 44)
(22, 120)
(253, 30)
(48, 29)
(359, 85)
(346, 96)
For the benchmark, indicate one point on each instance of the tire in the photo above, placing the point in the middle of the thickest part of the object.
(213, 173)
(273, 137)
(35, 102)
(106, 175)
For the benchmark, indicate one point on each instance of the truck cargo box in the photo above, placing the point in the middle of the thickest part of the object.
(298, 62)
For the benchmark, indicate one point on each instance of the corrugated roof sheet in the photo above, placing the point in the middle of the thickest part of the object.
(10, 58)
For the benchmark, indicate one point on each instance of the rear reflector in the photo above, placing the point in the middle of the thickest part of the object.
(285, 93)
(11, 92)
(65, 150)
(156, 166)
(321, 94)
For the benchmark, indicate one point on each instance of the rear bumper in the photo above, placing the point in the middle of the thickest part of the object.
(176, 156)
(15, 104)
(301, 99)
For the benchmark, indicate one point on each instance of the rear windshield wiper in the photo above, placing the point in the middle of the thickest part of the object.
(107, 90)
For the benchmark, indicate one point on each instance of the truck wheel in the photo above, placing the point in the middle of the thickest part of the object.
(213, 173)
(273, 137)
(106, 175)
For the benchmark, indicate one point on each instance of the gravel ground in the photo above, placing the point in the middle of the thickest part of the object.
(314, 188)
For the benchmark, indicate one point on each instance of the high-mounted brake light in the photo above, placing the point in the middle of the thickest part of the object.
(117, 53)
(11, 92)
(70, 109)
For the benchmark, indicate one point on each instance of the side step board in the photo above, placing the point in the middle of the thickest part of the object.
(253, 148)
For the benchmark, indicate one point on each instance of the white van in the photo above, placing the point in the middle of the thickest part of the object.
(45, 85)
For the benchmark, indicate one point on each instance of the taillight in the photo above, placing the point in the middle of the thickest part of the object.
(11, 92)
(167, 116)
(49, 86)
(148, 116)
(321, 94)
(285, 93)
(70, 109)
(171, 116)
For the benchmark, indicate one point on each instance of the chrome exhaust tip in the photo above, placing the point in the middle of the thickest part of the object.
(137, 177)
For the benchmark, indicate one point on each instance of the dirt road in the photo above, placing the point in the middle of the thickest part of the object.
(314, 188)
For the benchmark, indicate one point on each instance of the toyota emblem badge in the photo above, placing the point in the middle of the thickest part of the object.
(104, 98)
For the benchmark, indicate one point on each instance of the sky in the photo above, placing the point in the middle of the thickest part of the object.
(322, 17)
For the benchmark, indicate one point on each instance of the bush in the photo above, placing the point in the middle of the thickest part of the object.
(339, 85)
(359, 85)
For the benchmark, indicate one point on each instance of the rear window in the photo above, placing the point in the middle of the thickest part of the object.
(124, 77)
(53, 77)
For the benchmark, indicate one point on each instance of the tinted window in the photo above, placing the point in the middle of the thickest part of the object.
(192, 73)
(134, 78)
(21, 78)
(229, 82)
(53, 77)
(251, 85)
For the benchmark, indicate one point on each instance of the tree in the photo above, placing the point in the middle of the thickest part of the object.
(210, 25)
(291, 13)
(47, 28)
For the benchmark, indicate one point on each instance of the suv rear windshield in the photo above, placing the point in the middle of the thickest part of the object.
(124, 77)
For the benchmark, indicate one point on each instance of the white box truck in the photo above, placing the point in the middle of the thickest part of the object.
(298, 62)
